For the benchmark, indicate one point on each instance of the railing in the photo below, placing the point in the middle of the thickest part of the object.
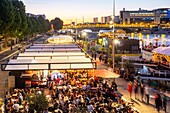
(106, 25)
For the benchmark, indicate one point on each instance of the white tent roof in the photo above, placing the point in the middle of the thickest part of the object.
(56, 45)
(37, 59)
(162, 50)
(60, 39)
(159, 49)
(23, 64)
(166, 51)
(52, 54)
(41, 50)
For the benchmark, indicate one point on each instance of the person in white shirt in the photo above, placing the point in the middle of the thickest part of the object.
(90, 108)
(84, 87)
(16, 106)
(147, 91)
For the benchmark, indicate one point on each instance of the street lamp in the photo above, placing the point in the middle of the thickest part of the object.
(113, 43)
(76, 29)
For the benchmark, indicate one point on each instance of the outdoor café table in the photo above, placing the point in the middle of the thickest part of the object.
(83, 79)
(21, 108)
(115, 105)
(74, 87)
(60, 87)
(57, 111)
(94, 88)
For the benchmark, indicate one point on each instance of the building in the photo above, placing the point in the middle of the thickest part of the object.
(36, 16)
(42, 15)
(127, 46)
(95, 20)
(156, 16)
(106, 19)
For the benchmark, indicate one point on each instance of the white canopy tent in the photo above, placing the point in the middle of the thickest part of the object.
(52, 54)
(52, 50)
(162, 50)
(48, 64)
(61, 39)
(39, 59)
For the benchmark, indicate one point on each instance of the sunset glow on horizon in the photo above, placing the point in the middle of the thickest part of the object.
(70, 10)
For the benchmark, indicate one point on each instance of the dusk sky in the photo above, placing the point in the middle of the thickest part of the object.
(69, 10)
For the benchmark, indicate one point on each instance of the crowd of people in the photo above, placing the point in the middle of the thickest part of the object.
(145, 90)
(93, 96)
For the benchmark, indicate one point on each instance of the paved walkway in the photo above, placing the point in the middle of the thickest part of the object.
(138, 104)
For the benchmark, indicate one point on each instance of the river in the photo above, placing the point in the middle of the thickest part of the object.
(147, 38)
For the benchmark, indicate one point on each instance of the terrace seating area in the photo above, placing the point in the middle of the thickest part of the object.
(96, 95)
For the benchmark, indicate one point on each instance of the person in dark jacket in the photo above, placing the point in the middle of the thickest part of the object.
(142, 90)
(158, 102)
(164, 99)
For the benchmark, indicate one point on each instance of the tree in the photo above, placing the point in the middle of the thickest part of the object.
(6, 18)
(44, 25)
(57, 23)
(29, 30)
(38, 102)
(20, 21)
(129, 67)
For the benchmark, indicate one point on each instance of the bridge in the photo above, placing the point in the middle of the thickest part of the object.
(97, 26)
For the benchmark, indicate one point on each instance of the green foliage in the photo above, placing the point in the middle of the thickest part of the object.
(6, 16)
(110, 62)
(20, 21)
(57, 23)
(15, 23)
(38, 102)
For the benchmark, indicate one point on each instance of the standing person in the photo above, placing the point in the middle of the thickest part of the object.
(129, 88)
(114, 86)
(95, 55)
(164, 99)
(49, 80)
(142, 90)
(135, 88)
(147, 93)
(100, 57)
(158, 102)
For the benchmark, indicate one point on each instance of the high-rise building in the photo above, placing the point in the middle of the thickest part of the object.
(95, 20)
(106, 19)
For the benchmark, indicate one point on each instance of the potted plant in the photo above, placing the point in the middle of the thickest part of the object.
(110, 62)
(37, 102)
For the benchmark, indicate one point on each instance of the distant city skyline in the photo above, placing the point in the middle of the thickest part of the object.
(70, 10)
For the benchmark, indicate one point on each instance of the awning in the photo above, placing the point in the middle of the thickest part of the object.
(36, 60)
(162, 50)
(104, 74)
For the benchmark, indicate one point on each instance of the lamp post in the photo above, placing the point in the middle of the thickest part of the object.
(113, 42)
(76, 29)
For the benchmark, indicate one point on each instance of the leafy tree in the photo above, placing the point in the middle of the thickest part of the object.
(6, 18)
(44, 25)
(20, 21)
(47, 25)
(29, 30)
(57, 23)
